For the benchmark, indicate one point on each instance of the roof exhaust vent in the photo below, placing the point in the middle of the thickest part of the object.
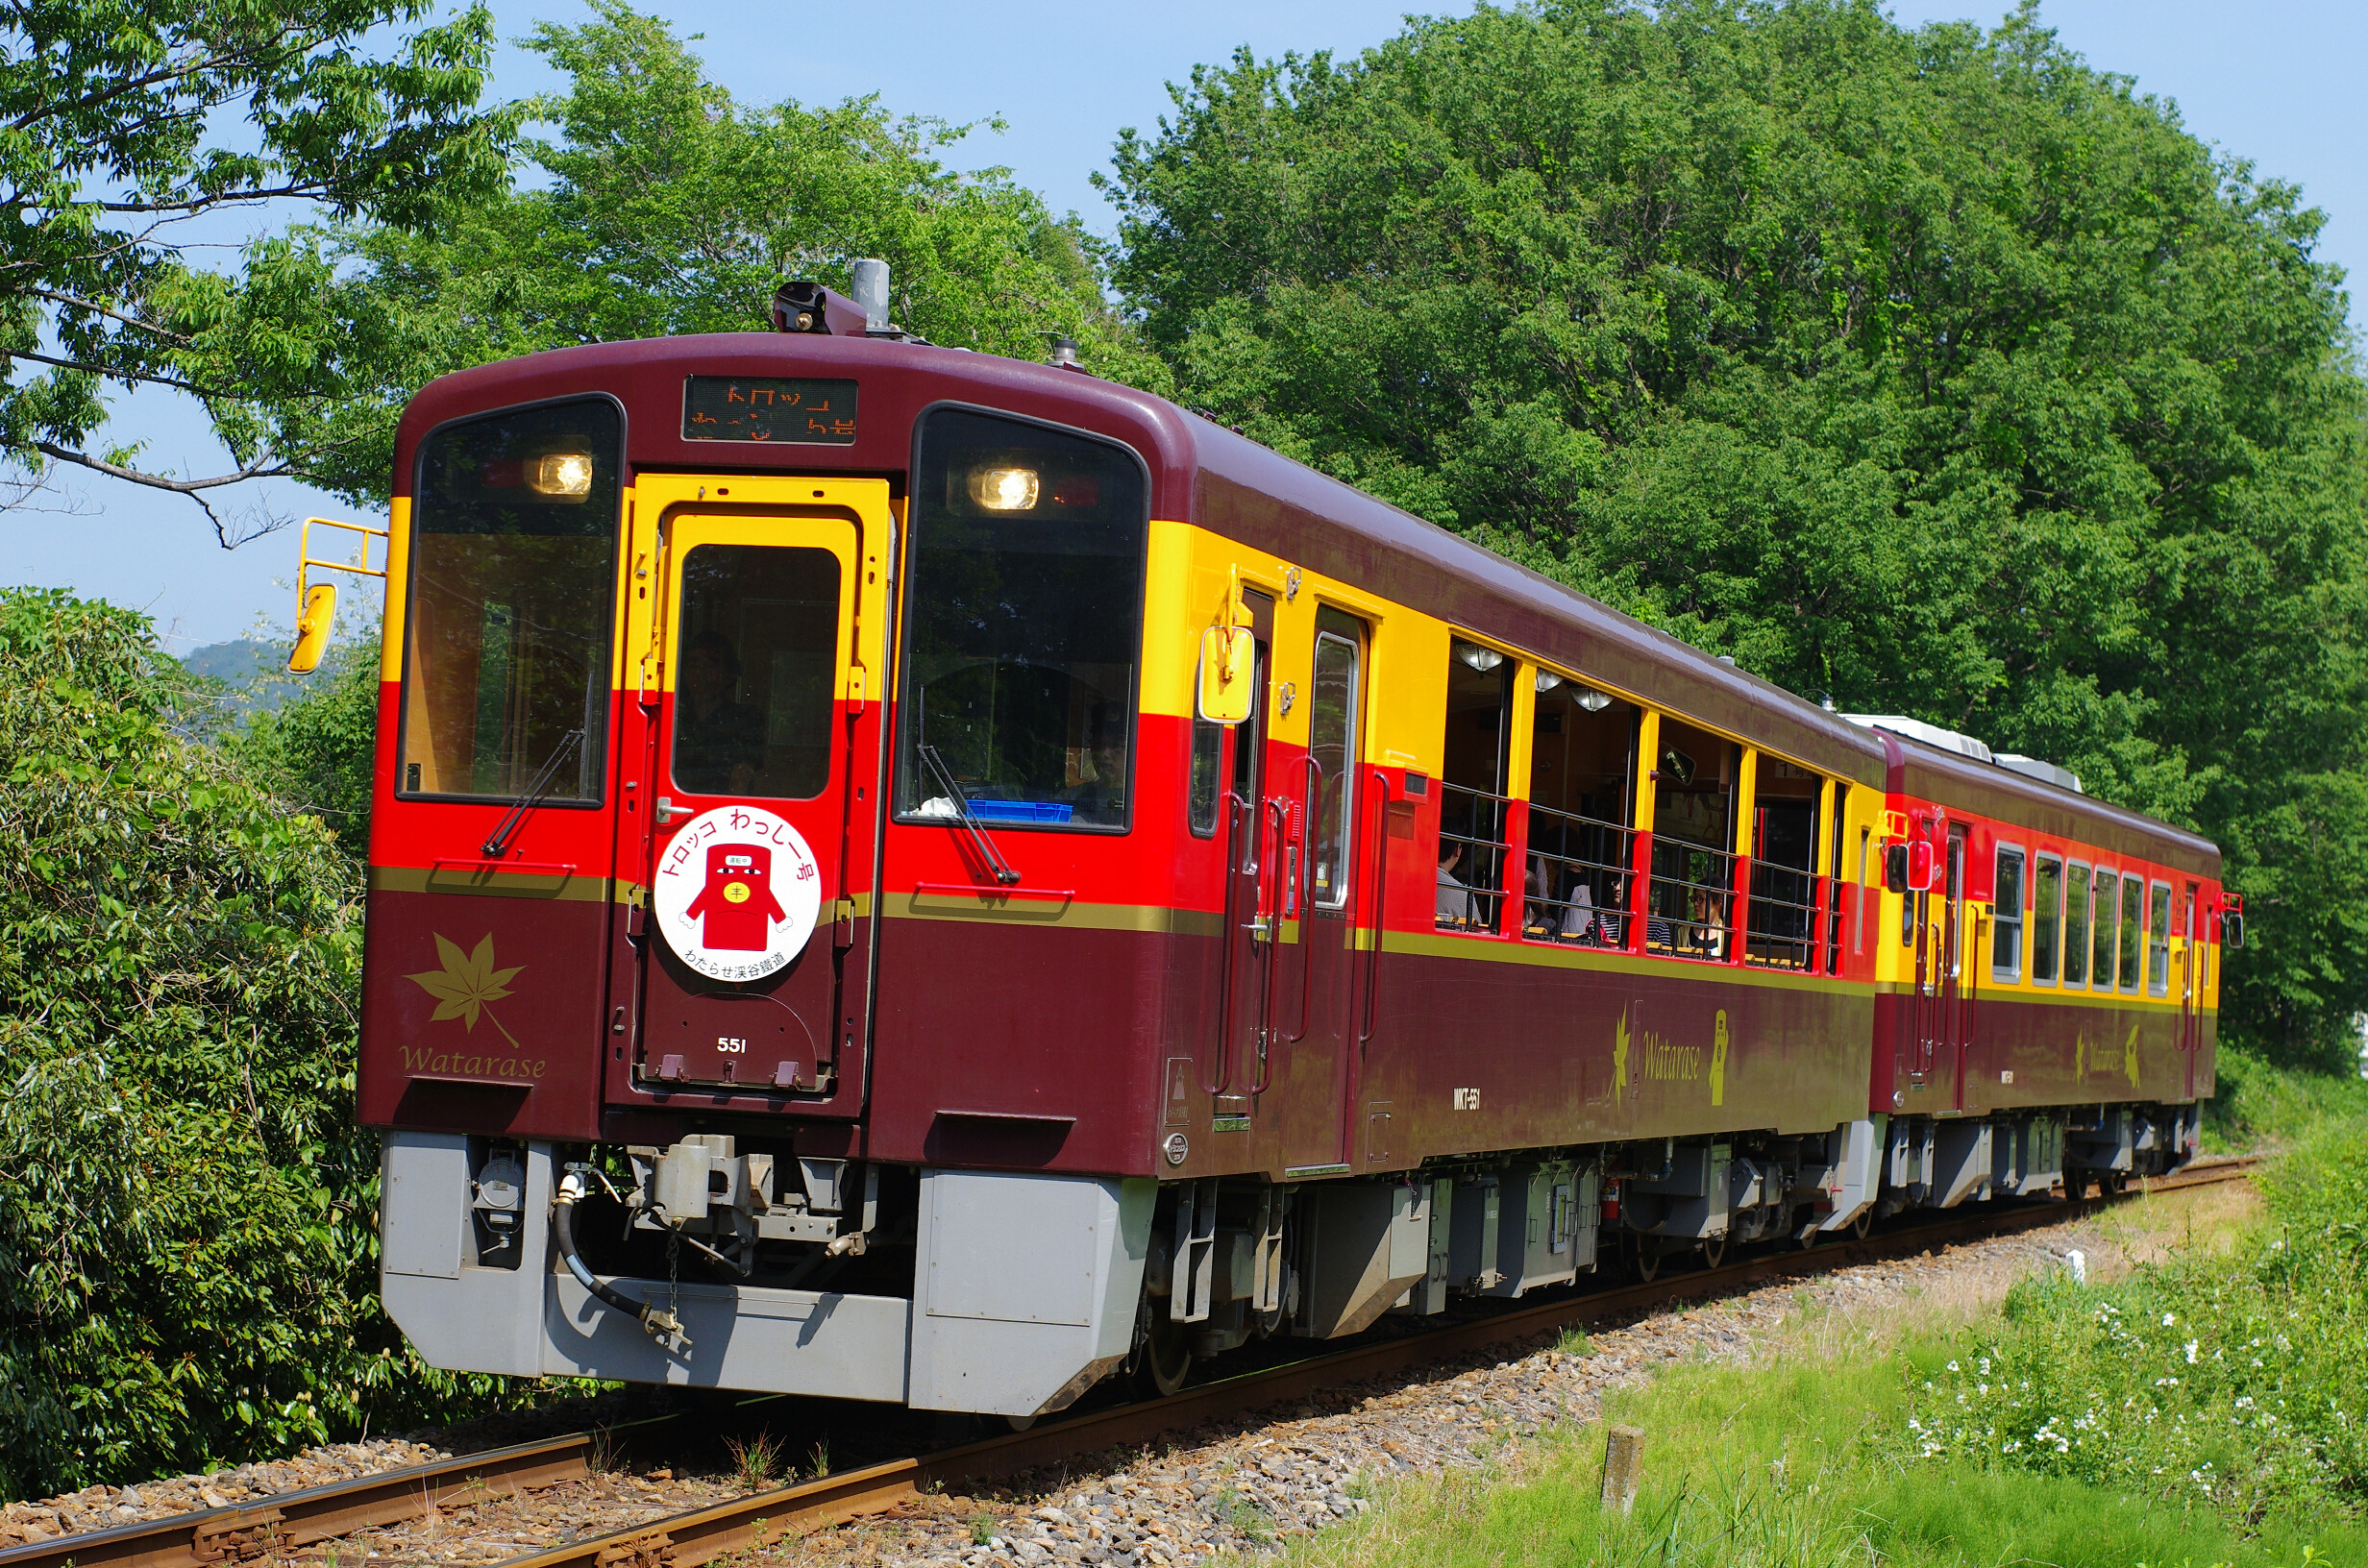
(871, 287)
(1917, 729)
(2046, 773)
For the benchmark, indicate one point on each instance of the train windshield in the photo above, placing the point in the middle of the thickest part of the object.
(1025, 594)
(513, 572)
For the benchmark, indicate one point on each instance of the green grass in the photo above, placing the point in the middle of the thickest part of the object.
(2257, 1105)
(1925, 1451)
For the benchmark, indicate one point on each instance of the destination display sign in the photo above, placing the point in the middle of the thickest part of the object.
(788, 409)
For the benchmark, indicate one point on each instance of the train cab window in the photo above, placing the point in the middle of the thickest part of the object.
(1689, 906)
(2046, 917)
(2133, 928)
(2075, 906)
(1582, 794)
(2100, 931)
(1471, 791)
(1023, 624)
(512, 594)
(2006, 946)
(2159, 939)
(1780, 914)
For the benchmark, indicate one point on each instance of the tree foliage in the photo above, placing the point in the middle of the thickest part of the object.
(110, 168)
(187, 1212)
(658, 206)
(1932, 368)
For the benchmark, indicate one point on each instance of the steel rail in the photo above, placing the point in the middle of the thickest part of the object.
(699, 1536)
(273, 1526)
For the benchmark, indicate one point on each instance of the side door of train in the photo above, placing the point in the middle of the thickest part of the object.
(760, 774)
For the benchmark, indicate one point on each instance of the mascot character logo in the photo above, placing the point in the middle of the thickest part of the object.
(737, 908)
(1619, 1056)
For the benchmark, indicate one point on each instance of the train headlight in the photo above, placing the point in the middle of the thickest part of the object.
(566, 476)
(1004, 489)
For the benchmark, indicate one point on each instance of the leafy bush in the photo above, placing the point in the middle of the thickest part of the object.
(315, 752)
(2242, 1383)
(187, 1254)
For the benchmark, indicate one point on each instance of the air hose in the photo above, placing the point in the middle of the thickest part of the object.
(661, 1324)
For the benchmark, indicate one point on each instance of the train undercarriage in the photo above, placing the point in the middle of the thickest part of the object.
(737, 1264)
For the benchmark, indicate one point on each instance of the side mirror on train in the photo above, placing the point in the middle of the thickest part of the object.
(1228, 666)
(1895, 868)
(314, 618)
(1921, 865)
(2231, 930)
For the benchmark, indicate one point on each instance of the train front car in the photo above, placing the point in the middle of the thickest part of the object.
(757, 981)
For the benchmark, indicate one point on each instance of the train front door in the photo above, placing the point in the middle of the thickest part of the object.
(1252, 890)
(1312, 1104)
(758, 768)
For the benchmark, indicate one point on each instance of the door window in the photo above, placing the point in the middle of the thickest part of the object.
(755, 673)
(1332, 742)
(2158, 941)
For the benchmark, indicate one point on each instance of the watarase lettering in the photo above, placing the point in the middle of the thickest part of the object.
(418, 1058)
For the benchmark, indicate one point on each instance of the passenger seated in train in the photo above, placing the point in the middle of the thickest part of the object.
(1457, 908)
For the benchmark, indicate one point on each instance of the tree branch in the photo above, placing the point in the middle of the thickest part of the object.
(159, 482)
(115, 373)
(79, 304)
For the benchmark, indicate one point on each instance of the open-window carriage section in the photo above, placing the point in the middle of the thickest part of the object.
(1579, 861)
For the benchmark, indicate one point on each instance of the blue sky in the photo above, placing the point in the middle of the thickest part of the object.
(2276, 81)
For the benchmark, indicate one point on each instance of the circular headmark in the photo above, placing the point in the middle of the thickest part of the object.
(736, 892)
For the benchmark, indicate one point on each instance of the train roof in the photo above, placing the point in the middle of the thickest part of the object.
(1218, 478)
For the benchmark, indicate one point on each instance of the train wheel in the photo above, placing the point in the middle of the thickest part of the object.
(1020, 1423)
(1713, 1251)
(1644, 1260)
(1167, 1355)
(1863, 1226)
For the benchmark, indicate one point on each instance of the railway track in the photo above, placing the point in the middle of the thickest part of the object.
(280, 1527)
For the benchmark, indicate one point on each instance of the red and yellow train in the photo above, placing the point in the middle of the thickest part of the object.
(902, 874)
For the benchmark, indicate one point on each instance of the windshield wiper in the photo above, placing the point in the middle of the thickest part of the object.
(993, 857)
(498, 839)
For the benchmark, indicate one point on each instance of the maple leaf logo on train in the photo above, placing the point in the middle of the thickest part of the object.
(464, 985)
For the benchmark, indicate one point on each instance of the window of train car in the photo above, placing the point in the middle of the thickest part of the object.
(2133, 928)
(2101, 932)
(1689, 909)
(2159, 939)
(2006, 949)
(512, 572)
(1472, 808)
(1582, 806)
(1780, 914)
(1858, 917)
(1333, 721)
(1207, 767)
(2077, 894)
(1023, 624)
(2046, 917)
